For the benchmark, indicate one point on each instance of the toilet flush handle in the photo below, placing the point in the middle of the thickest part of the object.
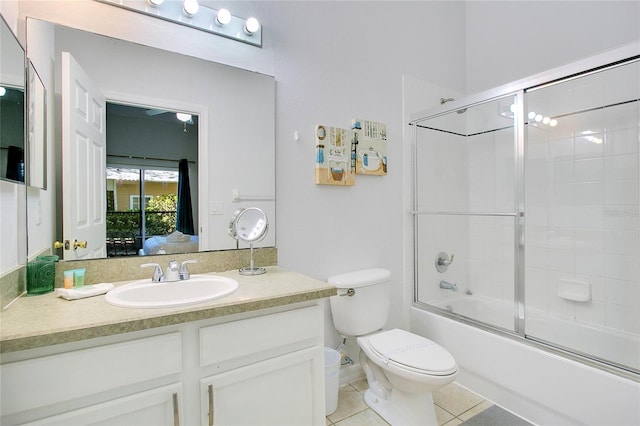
(349, 293)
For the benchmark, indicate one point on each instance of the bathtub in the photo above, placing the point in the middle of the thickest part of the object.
(539, 385)
(603, 343)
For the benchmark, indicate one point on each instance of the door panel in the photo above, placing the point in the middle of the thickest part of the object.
(84, 162)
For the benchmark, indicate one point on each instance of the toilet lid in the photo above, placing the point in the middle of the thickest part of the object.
(413, 351)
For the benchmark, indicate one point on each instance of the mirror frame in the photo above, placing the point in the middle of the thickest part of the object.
(36, 134)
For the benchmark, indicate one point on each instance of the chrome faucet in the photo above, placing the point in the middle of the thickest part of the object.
(173, 272)
(184, 273)
(448, 286)
(158, 275)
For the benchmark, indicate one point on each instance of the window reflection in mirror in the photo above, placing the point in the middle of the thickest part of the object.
(142, 194)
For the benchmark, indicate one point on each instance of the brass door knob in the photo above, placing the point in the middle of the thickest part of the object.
(81, 244)
(60, 244)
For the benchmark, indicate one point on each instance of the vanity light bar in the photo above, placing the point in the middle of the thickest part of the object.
(201, 18)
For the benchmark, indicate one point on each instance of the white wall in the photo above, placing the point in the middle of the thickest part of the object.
(336, 61)
(510, 40)
(14, 245)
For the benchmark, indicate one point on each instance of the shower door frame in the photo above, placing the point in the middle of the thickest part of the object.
(518, 88)
(517, 214)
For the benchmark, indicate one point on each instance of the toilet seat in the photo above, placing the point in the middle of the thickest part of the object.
(411, 352)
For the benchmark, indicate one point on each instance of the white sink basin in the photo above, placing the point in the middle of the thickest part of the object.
(147, 294)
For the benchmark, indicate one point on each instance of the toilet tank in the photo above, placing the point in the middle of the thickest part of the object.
(367, 310)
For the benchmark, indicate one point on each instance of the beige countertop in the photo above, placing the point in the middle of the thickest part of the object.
(36, 321)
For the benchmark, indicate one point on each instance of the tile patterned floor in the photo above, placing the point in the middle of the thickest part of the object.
(454, 405)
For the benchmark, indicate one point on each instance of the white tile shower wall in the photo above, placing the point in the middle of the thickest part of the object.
(438, 233)
(466, 174)
(582, 199)
(491, 189)
(443, 180)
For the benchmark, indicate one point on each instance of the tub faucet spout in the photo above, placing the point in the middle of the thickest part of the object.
(448, 286)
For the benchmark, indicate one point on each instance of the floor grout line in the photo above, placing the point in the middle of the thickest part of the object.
(450, 393)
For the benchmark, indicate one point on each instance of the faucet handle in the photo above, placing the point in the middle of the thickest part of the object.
(443, 261)
(157, 272)
(184, 271)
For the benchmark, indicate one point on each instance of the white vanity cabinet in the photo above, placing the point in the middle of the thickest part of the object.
(273, 370)
(108, 384)
(264, 367)
(155, 407)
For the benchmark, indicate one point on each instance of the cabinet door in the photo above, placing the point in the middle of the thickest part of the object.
(79, 377)
(156, 407)
(287, 390)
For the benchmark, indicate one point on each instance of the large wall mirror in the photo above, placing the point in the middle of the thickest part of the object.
(12, 107)
(12, 164)
(151, 109)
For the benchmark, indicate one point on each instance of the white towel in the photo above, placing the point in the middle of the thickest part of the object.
(84, 291)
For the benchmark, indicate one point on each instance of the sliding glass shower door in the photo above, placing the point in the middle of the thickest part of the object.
(527, 213)
(467, 211)
(582, 221)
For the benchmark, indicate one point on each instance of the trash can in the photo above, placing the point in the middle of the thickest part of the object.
(331, 379)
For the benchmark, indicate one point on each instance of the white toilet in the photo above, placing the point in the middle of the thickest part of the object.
(402, 368)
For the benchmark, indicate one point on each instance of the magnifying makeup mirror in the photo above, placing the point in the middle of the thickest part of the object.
(249, 225)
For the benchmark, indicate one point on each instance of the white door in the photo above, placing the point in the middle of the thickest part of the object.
(83, 163)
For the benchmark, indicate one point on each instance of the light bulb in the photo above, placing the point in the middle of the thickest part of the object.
(183, 117)
(155, 3)
(531, 115)
(190, 7)
(251, 26)
(553, 122)
(223, 17)
(539, 118)
(546, 120)
(3, 91)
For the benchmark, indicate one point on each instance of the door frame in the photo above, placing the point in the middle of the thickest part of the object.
(202, 112)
